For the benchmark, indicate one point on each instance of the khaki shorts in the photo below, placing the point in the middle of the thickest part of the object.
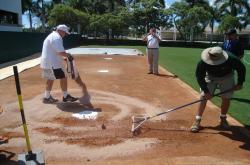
(222, 83)
(52, 74)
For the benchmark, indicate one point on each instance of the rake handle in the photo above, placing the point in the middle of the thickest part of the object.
(197, 101)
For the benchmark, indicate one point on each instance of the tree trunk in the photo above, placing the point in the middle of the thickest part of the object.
(212, 32)
(191, 35)
(43, 17)
(30, 20)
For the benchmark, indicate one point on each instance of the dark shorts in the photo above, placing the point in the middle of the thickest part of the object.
(52, 74)
(59, 73)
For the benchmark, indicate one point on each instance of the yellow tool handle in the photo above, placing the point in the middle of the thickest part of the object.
(20, 101)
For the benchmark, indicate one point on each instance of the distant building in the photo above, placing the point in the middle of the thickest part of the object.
(10, 15)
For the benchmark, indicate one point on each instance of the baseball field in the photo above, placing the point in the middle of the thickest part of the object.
(119, 89)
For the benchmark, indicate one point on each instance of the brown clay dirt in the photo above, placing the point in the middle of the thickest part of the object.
(124, 91)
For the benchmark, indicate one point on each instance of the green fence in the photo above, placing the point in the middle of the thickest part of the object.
(16, 45)
(126, 42)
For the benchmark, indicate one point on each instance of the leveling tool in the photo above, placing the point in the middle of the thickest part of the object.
(30, 158)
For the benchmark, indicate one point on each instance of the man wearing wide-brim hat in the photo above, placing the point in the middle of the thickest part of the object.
(216, 70)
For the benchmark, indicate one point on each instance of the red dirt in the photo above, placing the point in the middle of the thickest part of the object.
(129, 90)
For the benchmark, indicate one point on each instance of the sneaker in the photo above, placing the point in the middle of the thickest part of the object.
(3, 139)
(196, 126)
(69, 98)
(223, 123)
(150, 72)
(49, 100)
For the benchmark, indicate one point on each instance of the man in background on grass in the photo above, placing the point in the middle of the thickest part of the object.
(216, 70)
(52, 65)
(152, 50)
(232, 44)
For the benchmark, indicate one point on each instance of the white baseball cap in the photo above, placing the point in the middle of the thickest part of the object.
(63, 28)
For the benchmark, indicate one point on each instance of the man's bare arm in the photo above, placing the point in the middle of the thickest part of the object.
(65, 55)
(145, 38)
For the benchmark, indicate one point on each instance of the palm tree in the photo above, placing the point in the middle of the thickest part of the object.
(215, 17)
(27, 6)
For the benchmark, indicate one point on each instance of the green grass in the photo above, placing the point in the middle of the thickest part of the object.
(182, 62)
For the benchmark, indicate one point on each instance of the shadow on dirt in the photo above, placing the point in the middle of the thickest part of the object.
(75, 107)
(234, 133)
(247, 101)
(6, 156)
(167, 76)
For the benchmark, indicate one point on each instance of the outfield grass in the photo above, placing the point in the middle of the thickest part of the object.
(182, 62)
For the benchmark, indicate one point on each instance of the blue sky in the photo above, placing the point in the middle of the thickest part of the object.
(169, 2)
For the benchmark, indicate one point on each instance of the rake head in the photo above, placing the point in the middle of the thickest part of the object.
(137, 121)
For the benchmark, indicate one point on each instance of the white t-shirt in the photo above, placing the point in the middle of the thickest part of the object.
(51, 46)
(152, 42)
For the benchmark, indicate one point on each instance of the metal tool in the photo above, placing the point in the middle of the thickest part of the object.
(137, 121)
(30, 158)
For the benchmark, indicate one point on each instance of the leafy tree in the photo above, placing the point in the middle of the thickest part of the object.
(63, 14)
(95, 6)
(189, 21)
(228, 22)
(102, 24)
(27, 6)
(235, 8)
(200, 3)
(133, 2)
(41, 9)
(113, 4)
(215, 16)
(146, 14)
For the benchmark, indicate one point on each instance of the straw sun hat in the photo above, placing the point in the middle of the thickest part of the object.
(214, 56)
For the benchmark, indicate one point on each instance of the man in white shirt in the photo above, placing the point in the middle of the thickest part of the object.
(52, 61)
(152, 50)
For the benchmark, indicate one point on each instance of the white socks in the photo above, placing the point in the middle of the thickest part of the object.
(46, 94)
(223, 115)
(198, 117)
(65, 93)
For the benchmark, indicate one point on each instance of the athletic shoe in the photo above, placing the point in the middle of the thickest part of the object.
(196, 126)
(69, 98)
(49, 100)
(223, 123)
(150, 72)
(3, 139)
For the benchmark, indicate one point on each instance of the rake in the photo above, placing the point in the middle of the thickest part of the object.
(137, 121)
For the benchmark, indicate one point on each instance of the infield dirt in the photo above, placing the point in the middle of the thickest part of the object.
(124, 91)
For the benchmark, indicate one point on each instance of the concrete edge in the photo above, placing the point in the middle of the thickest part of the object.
(33, 56)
